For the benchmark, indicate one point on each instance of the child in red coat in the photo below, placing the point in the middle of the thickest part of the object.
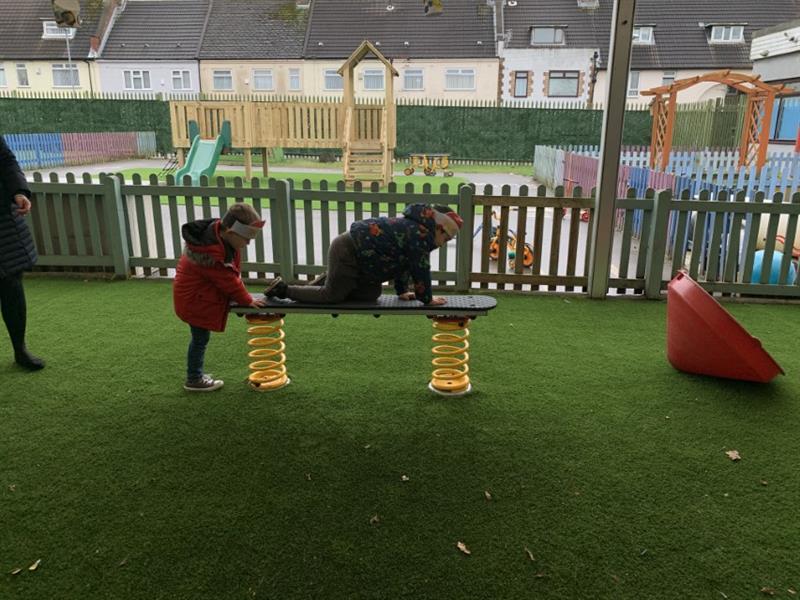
(208, 279)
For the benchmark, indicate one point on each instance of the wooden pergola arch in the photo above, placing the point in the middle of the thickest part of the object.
(758, 115)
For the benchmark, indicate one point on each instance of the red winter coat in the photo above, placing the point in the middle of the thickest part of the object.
(208, 278)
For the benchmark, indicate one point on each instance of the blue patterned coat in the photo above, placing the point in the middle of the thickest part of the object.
(398, 248)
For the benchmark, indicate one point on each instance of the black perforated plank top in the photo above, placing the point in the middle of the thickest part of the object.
(457, 306)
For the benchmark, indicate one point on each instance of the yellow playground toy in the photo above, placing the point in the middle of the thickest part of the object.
(429, 163)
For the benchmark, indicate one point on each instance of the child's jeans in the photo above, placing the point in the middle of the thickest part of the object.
(197, 352)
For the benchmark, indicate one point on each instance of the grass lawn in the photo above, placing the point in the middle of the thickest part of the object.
(606, 468)
(316, 178)
(522, 169)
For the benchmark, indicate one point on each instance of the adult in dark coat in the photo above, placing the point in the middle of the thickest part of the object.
(17, 253)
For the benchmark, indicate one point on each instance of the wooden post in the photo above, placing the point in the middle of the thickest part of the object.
(666, 145)
(265, 162)
(464, 240)
(115, 220)
(657, 246)
(763, 135)
(282, 239)
(248, 163)
(181, 157)
(602, 238)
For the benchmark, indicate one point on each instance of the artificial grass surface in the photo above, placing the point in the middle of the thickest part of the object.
(608, 465)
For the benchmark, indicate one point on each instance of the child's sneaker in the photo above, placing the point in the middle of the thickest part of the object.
(276, 288)
(205, 384)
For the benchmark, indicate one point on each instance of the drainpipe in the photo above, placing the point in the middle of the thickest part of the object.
(610, 146)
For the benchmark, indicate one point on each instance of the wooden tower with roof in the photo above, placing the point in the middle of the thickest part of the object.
(369, 129)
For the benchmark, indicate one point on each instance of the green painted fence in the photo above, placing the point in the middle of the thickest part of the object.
(133, 229)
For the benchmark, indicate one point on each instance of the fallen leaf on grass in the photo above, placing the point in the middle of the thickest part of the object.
(615, 578)
(35, 565)
(13, 487)
(764, 482)
(463, 547)
(123, 562)
(792, 591)
(530, 554)
(404, 478)
(374, 520)
(733, 455)
(17, 571)
(487, 495)
(540, 575)
(308, 476)
(767, 591)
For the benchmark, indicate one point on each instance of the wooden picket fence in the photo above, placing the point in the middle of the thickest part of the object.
(132, 228)
(43, 150)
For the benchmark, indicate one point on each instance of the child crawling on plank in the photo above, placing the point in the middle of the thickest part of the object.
(378, 250)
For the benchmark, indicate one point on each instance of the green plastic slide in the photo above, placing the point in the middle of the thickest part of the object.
(202, 159)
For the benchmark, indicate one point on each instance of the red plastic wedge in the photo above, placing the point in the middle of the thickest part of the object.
(702, 337)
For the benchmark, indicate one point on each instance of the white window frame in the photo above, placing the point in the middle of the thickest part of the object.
(131, 76)
(643, 34)
(466, 72)
(294, 75)
(330, 73)
(414, 74)
(24, 68)
(727, 34)
(65, 67)
(634, 77)
(561, 75)
(668, 77)
(374, 73)
(262, 73)
(3, 78)
(221, 73)
(557, 37)
(185, 75)
(51, 31)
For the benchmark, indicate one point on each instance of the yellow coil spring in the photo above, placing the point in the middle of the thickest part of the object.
(451, 359)
(269, 372)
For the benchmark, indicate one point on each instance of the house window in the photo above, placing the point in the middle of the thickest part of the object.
(294, 80)
(668, 78)
(721, 34)
(22, 75)
(520, 84)
(373, 79)
(333, 81)
(136, 80)
(262, 80)
(223, 80)
(459, 79)
(181, 80)
(413, 79)
(563, 83)
(633, 84)
(50, 31)
(643, 35)
(3, 76)
(786, 119)
(65, 75)
(547, 36)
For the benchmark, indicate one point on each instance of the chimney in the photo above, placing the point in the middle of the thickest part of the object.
(588, 4)
(111, 10)
(303, 3)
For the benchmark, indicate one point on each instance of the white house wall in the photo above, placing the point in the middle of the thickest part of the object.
(112, 80)
(538, 63)
(654, 78)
